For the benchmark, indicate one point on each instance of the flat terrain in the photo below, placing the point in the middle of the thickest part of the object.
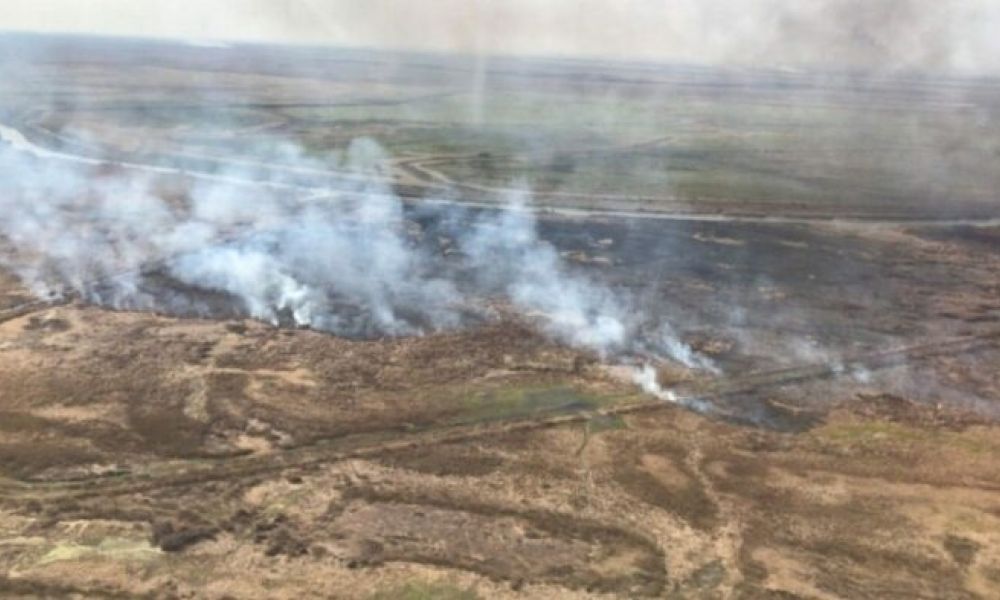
(828, 244)
(630, 136)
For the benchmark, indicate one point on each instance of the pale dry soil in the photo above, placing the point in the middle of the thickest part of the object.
(147, 456)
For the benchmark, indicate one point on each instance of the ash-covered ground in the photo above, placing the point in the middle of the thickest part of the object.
(311, 335)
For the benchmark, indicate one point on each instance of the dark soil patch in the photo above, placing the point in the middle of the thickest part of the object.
(175, 539)
(25, 460)
(445, 459)
(51, 325)
(962, 550)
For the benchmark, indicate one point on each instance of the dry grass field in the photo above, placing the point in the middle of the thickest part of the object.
(829, 246)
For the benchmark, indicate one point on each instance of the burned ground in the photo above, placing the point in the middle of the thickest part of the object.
(496, 463)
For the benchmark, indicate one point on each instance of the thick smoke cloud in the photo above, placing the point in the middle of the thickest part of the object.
(350, 263)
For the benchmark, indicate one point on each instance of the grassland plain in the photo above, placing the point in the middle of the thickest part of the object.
(850, 445)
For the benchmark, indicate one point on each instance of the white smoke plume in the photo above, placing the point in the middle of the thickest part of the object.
(349, 263)
(645, 378)
(507, 252)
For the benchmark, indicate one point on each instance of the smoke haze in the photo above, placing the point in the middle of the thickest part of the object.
(878, 35)
(361, 264)
(352, 264)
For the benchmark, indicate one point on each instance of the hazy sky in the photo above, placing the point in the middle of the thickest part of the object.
(882, 34)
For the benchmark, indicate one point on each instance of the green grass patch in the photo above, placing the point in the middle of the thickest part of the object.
(601, 423)
(519, 403)
(426, 591)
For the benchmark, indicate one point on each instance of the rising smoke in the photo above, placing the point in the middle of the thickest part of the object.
(349, 263)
